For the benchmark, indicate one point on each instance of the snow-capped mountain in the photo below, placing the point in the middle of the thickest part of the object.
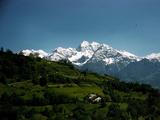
(77, 56)
(104, 59)
(153, 56)
(87, 55)
(36, 53)
(95, 57)
(94, 51)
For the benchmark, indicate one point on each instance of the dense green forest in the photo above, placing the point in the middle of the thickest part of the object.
(32, 88)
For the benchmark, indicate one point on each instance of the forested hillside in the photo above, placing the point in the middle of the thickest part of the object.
(32, 88)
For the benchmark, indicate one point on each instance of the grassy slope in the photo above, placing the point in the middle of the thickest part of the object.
(90, 83)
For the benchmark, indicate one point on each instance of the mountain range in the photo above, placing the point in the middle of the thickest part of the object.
(103, 59)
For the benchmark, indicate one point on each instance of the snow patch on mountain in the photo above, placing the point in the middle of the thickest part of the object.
(153, 56)
(130, 55)
(37, 53)
(108, 60)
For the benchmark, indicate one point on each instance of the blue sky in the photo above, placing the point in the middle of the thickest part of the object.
(132, 25)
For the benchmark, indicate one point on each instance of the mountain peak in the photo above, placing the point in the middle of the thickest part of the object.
(153, 56)
(95, 43)
(85, 43)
